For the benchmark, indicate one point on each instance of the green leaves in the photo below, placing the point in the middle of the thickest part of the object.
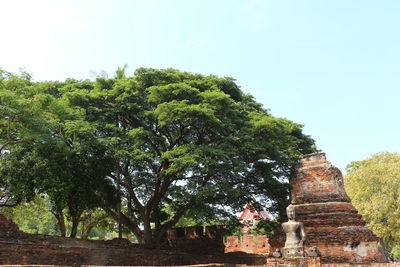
(170, 140)
(172, 92)
(374, 188)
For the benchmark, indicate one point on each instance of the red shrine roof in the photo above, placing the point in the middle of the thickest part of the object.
(249, 213)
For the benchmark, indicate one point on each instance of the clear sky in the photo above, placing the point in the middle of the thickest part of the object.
(330, 65)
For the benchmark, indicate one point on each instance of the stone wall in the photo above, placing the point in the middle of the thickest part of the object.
(252, 244)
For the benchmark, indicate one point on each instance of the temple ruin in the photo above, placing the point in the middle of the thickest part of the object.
(331, 225)
(331, 222)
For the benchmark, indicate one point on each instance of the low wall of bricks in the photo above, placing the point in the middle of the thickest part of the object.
(316, 262)
(197, 265)
(294, 262)
(186, 246)
(252, 244)
(198, 239)
(397, 264)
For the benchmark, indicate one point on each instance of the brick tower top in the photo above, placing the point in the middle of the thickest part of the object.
(316, 180)
(313, 157)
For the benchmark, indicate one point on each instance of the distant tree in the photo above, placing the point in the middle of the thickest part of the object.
(92, 220)
(36, 217)
(73, 176)
(33, 217)
(373, 185)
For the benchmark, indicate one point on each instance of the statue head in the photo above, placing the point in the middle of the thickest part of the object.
(290, 212)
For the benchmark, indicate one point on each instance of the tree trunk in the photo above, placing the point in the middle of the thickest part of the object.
(127, 222)
(147, 233)
(74, 229)
(59, 214)
(157, 236)
(86, 231)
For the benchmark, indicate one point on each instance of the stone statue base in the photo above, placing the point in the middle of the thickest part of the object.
(292, 252)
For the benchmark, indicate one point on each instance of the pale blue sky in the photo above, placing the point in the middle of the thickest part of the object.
(330, 65)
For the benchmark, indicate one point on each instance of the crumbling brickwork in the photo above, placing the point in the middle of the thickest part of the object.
(196, 239)
(187, 246)
(330, 220)
(251, 244)
(294, 262)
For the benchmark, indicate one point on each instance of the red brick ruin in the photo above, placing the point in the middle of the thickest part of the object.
(248, 243)
(331, 222)
(251, 244)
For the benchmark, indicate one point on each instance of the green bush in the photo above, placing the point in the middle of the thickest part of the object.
(395, 252)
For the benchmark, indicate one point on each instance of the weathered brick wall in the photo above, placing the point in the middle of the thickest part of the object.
(316, 262)
(252, 244)
(330, 220)
(363, 265)
(294, 262)
(196, 239)
(18, 248)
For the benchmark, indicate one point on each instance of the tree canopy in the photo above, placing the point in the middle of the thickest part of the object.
(373, 185)
(178, 143)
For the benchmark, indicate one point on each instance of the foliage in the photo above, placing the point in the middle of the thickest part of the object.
(232, 226)
(72, 176)
(36, 217)
(33, 217)
(396, 252)
(265, 227)
(95, 224)
(187, 141)
(23, 120)
(170, 143)
(53, 151)
(209, 215)
(374, 188)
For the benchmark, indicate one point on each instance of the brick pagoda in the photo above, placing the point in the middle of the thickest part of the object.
(331, 222)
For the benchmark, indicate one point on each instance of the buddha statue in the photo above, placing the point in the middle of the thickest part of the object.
(295, 235)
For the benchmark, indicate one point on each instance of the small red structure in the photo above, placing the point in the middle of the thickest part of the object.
(249, 217)
(248, 243)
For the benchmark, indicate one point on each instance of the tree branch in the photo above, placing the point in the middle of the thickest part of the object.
(131, 224)
(8, 143)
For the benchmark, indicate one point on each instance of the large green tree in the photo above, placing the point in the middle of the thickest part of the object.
(373, 185)
(185, 142)
(170, 142)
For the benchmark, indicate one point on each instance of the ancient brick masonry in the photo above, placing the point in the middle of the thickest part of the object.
(330, 220)
(17, 247)
(192, 245)
(297, 262)
(251, 244)
(196, 239)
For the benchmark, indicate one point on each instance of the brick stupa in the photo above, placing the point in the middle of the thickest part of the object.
(331, 222)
